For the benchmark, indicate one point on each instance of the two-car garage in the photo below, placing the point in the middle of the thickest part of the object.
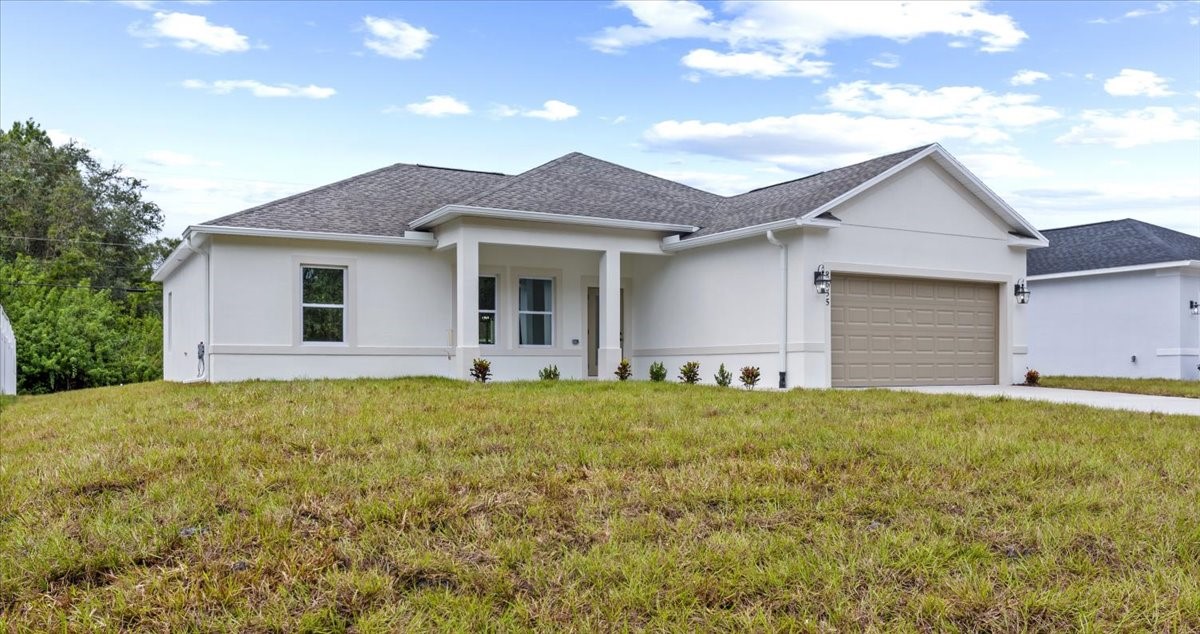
(897, 331)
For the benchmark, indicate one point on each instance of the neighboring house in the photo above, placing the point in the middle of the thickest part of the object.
(1116, 298)
(8, 356)
(417, 270)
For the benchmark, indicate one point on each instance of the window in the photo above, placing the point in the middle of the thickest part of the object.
(323, 304)
(535, 311)
(487, 310)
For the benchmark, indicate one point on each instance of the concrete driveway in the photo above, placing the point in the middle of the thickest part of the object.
(1106, 400)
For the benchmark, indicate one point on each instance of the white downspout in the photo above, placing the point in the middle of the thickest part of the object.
(191, 246)
(783, 309)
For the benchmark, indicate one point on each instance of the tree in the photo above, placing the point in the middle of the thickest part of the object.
(76, 254)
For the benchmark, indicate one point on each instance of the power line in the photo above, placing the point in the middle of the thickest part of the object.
(94, 288)
(80, 241)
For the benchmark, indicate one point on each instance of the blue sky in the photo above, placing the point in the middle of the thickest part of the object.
(1073, 112)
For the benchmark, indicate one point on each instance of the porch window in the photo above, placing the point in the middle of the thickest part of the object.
(535, 311)
(487, 310)
(323, 304)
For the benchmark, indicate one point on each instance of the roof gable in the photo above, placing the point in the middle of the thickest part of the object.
(578, 184)
(1112, 244)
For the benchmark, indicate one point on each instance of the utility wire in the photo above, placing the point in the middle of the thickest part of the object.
(80, 241)
(94, 288)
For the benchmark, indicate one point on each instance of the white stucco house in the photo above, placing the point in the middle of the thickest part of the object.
(417, 270)
(1118, 298)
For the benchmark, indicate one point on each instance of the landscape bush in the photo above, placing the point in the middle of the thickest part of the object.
(658, 372)
(749, 377)
(549, 373)
(723, 377)
(624, 370)
(1032, 377)
(481, 370)
(690, 372)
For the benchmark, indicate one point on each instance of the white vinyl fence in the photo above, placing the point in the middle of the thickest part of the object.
(8, 356)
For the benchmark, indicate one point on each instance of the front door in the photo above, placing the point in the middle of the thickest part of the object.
(593, 328)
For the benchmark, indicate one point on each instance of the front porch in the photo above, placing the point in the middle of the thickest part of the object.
(537, 295)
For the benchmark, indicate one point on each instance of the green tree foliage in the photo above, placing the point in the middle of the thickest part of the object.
(75, 265)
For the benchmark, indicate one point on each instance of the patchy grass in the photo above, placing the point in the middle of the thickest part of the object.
(427, 504)
(1158, 387)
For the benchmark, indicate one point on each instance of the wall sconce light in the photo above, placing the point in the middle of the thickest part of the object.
(821, 279)
(1021, 291)
(1194, 306)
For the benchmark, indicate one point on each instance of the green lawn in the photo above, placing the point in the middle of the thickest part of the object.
(428, 504)
(1159, 387)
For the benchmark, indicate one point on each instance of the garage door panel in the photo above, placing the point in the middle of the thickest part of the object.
(903, 331)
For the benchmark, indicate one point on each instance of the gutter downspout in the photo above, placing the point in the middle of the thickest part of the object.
(191, 246)
(783, 310)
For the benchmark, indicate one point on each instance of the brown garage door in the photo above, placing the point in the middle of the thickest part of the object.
(907, 331)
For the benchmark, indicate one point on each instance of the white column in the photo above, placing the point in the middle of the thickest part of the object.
(466, 322)
(609, 353)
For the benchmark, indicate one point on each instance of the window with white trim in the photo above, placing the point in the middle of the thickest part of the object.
(535, 311)
(487, 310)
(323, 304)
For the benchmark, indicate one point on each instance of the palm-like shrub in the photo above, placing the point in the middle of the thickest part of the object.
(624, 370)
(690, 372)
(481, 370)
(749, 377)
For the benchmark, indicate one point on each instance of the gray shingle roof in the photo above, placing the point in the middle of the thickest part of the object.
(797, 197)
(580, 185)
(1106, 245)
(379, 203)
(384, 202)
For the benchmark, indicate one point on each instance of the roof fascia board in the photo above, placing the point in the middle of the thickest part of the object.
(1019, 242)
(674, 243)
(1182, 264)
(412, 238)
(450, 212)
(950, 164)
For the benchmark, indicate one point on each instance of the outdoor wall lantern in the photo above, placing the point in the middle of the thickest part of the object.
(821, 280)
(1021, 291)
(1194, 306)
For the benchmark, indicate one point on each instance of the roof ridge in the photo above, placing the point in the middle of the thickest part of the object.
(1086, 224)
(454, 169)
(516, 178)
(1151, 231)
(669, 180)
(836, 169)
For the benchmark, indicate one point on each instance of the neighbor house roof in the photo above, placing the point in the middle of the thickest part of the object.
(1112, 244)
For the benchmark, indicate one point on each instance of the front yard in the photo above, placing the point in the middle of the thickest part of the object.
(427, 504)
(1158, 387)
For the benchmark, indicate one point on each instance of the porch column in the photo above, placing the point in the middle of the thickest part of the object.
(466, 321)
(609, 353)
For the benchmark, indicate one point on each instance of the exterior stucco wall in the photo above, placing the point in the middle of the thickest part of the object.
(398, 317)
(919, 223)
(185, 319)
(1095, 325)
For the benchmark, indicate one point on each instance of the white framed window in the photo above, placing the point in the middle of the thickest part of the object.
(487, 310)
(535, 311)
(322, 304)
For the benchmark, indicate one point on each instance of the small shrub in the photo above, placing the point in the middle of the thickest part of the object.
(658, 372)
(624, 370)
(750, 377)
(1032, 377)
(548, 373)
(690, 372)
(723, 377)
(481, 370)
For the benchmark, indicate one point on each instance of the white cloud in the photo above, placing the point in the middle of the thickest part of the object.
(168, 158)
(759, 64)
(59, 137)
(772, 39)
(808, 141)
(438, 106)
(192, 33)
(1131, 82)
(886, 60)
(1028, 77)
(617, 120)
(1131, 128)
(259, 89)
(1159, 7)
(966, 105)
(1170, 203)
(397, 38)
(1003, 164)
(552, 110)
